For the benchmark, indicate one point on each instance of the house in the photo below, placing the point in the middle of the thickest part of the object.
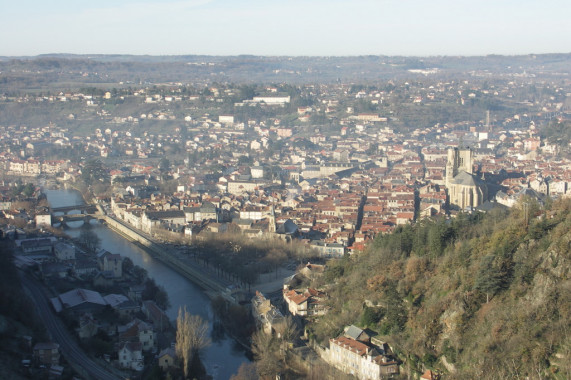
(47, 353)
(127, 308)
(207, 211)
(305, 303)
(151, 219)
(131, 355)
(84, 267)
(241, 187)
(267, 316)
(328, 249)
(114, 300)
(356, 333)
(64, 251)
(43, 219)
(88, 326)
(167, 358)
(79, 301)
(297, 302)
(40, 247)
(104, 279)
(156, 315)
(312, 271)
(362, 360)
(110, 262)
(138, 331)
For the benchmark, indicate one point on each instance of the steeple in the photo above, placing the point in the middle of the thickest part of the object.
(272, 220)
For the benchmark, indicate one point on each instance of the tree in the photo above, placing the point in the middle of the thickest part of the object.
(140, 273)
(289, 332)
(93, 171)
(265, 349)
(274, 258)
(89, 238)
(247, 371)
(29, 190)
(164, 167)
(191, 337)
(156, 293)
(488, 279)
(371, 316)
(128, 265)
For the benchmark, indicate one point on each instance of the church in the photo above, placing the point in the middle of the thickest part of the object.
(465, 189)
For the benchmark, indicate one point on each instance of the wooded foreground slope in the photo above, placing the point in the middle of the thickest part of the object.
(479, 296)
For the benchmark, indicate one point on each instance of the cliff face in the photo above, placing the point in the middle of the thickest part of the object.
(482, 296)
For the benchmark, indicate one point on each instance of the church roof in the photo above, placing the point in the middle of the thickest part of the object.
(466, 179)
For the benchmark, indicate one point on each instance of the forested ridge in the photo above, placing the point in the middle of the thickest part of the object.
(478, 296)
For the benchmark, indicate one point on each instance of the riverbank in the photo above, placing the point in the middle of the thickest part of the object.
(200, 275)
(221, 359)
(209, 284)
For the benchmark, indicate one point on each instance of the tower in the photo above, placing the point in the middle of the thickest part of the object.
(459, 160)
(464, 188)
(272, 220)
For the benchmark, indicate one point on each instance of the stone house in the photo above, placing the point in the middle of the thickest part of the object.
(138, 331)
(156, 315)
(110, 262)
(305, 303)
(267, 316)
(354, 354)
(64, 251)
(131, 355)
(167, 358)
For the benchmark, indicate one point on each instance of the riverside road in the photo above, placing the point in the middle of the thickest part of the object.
(69, 347)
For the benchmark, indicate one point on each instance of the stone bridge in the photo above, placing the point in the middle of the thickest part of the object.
(86, 213)
(83, 209)
(64, 219)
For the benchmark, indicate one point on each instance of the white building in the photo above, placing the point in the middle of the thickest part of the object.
(131, 355)
(64, 251)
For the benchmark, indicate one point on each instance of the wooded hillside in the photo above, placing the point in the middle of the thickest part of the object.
(480, 296)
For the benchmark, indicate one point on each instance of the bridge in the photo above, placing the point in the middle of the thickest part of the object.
(83, 209)
(87, 212)
(64, 219)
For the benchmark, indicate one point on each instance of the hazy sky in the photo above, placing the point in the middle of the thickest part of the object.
(285, 27)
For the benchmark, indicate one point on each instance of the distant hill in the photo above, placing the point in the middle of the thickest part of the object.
(72, 68)
(479, 296)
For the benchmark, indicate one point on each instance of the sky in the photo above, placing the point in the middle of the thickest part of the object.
(285, 27)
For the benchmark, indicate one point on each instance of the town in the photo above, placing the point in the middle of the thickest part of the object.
(254, 180)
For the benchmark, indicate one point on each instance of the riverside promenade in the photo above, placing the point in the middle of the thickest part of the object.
(206, 279)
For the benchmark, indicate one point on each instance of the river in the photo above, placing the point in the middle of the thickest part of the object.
(223, 357)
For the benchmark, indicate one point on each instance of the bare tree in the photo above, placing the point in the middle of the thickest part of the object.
(89, 238)
(247, 371)
(274, 258)
(266, 353)
(191, 337)
(290, 330)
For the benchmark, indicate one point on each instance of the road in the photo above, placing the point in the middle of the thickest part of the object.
(69, 347)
